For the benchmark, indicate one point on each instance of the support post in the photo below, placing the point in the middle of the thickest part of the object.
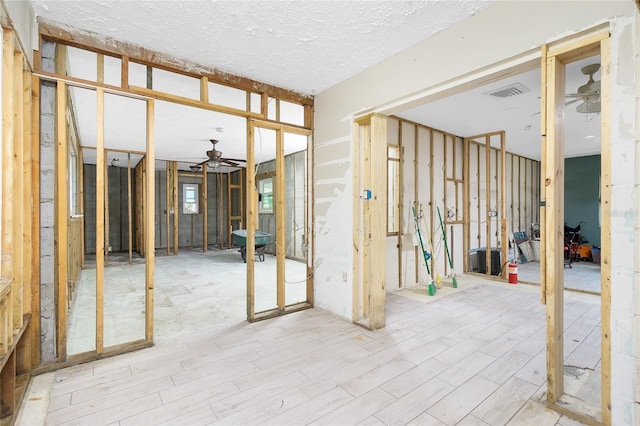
(552, 237)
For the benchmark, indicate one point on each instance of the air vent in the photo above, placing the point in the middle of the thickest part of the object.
(507, 91)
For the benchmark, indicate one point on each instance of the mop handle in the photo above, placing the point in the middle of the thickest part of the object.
(424, 254)
(444, 234)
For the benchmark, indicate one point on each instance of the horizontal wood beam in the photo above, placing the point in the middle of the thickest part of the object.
(88, 40)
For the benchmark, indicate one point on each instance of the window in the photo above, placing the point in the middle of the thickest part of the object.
(265, 187)
(190, 198)
(393, 190)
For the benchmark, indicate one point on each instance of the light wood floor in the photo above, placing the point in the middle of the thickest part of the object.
(474, 357)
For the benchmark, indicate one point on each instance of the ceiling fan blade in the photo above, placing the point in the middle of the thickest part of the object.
(237, 160)
(571, 102)
(228, 161)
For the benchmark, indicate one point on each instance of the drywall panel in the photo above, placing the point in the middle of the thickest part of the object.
(625, 221)
(23, 21)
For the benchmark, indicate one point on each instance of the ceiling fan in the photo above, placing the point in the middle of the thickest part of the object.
(588, 93)
(215, 158)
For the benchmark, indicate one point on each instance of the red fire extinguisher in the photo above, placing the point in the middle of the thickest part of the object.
(513, 272)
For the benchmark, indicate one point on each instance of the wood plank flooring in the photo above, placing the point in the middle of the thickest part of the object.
(474, 357)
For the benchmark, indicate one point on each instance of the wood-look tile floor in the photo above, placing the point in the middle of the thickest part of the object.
(474, 357)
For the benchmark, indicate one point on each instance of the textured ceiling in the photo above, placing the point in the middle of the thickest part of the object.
(307, 46)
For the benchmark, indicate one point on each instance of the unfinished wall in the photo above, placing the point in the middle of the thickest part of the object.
(465, 48)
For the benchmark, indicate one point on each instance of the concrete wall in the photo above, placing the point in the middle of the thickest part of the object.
(190, 225)
(47, 196)
(487, 38)
(118, 213)
(582, 196)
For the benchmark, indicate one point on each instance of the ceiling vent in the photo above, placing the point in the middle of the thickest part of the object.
(507, 91)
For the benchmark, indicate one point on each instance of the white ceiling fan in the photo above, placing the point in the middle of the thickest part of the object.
(588, 93)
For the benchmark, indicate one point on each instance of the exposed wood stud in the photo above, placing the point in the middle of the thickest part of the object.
(552, 236)
(401, 198)
(62, 217)
(356, 229)
(35, 224)
(124, 72)
(605, 272)
(129, 209)
(6, 260)
(204, 89)
(504, 238)
(101, 219)
(205, 211)
(252, 216)
(280, 209)
(431, 186)
(488, 180)
(107, 243)
(366, 222)
(377, 240)
(466, 205)
(416, 191)
(149, 231)
(18, 191)
(100, 68)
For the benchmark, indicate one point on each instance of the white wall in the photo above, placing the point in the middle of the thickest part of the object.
(625, 225)
(489, 37)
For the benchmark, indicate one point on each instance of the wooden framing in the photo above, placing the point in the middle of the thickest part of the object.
(143, 218)
(466, 229)
(18, 335)
(101, 218)
(553, 208)
(504, 237)
(105, 181)
(61, 218)
(129, 210)
(280, 221)
(370, 267)
(6, 261)
(172, 212)
(205, 211)
(252, 220)
(605, 267)
(149, 228)
(358, 248)
(35, 222)
(552, 236)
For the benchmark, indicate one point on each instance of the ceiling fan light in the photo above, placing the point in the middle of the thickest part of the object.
(589, 107)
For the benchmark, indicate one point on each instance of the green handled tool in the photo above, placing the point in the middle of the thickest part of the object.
(446, 249)
(426, 255)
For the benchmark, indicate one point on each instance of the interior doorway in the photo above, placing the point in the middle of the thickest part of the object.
(549, 115)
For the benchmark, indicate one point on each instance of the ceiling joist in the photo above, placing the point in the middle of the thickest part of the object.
(87, 40)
